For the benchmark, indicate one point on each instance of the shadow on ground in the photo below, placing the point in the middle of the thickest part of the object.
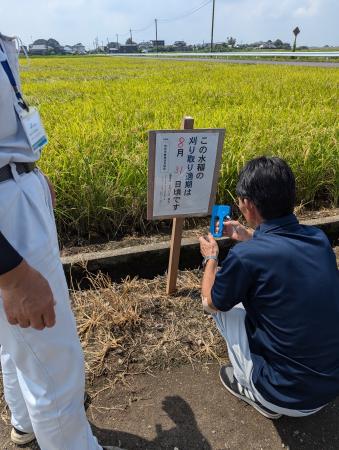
(185, 434)
(188, 409)
(317, 432)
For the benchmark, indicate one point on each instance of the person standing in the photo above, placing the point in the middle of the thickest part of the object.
(41, 357)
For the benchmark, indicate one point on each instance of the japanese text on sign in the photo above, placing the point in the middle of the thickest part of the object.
(184, 172)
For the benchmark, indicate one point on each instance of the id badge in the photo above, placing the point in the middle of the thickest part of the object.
(34, 129)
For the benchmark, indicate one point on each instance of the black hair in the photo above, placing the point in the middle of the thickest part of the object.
(270, 184)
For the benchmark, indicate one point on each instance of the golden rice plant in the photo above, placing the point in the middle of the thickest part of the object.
(98, 110)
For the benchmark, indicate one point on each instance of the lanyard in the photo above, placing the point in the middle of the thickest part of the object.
(11, 78)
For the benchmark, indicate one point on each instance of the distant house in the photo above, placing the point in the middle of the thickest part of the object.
(112, 47)
(148, 45)
(55, 44)
(79, 49)
(158, 43)
(267, 45)
(40, 49)
(219, 46)
(180, 46)
(45, 47)
(128, 48)
(68, 49)
(52, 46)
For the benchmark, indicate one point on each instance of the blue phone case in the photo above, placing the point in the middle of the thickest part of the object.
(219, 213)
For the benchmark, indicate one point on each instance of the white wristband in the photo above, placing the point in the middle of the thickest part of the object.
(207, 258)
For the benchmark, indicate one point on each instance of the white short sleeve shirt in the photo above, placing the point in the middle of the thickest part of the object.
(14, 146)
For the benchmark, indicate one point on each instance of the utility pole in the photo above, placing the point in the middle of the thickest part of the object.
(117, 41)
(212, 33)
(130, 32)
(156, 33)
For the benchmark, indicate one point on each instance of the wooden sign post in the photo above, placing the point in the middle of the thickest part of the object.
(183, 172)
(177, 226)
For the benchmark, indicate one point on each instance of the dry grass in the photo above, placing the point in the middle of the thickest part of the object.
(134, 327)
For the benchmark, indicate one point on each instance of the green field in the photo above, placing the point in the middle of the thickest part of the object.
(98, 110)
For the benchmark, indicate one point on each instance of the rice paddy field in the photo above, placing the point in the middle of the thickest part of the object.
(98, 110)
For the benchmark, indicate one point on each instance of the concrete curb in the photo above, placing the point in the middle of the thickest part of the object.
(148, 261)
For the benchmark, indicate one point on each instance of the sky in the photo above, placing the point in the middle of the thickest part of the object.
(73, 21)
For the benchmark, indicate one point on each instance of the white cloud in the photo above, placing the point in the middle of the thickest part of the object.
(310, 9)
(72, 21)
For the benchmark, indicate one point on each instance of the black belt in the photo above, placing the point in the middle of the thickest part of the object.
(6, 171)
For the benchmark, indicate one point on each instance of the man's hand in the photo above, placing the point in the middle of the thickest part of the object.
(236, 231)
(27, 298)
(208, 246)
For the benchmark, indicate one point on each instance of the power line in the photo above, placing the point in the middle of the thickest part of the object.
(124, 34)
(187, 14)
(143, 29)
(173, 19)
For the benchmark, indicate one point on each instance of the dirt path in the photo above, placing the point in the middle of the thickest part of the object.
(188, 409)
(181, 408)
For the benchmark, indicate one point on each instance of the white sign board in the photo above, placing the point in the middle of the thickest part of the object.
(183, 172)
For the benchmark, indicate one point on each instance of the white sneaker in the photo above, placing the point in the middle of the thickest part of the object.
(21, 438)
(231, 384)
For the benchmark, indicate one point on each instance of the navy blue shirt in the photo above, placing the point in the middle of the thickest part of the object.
(287, 279)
